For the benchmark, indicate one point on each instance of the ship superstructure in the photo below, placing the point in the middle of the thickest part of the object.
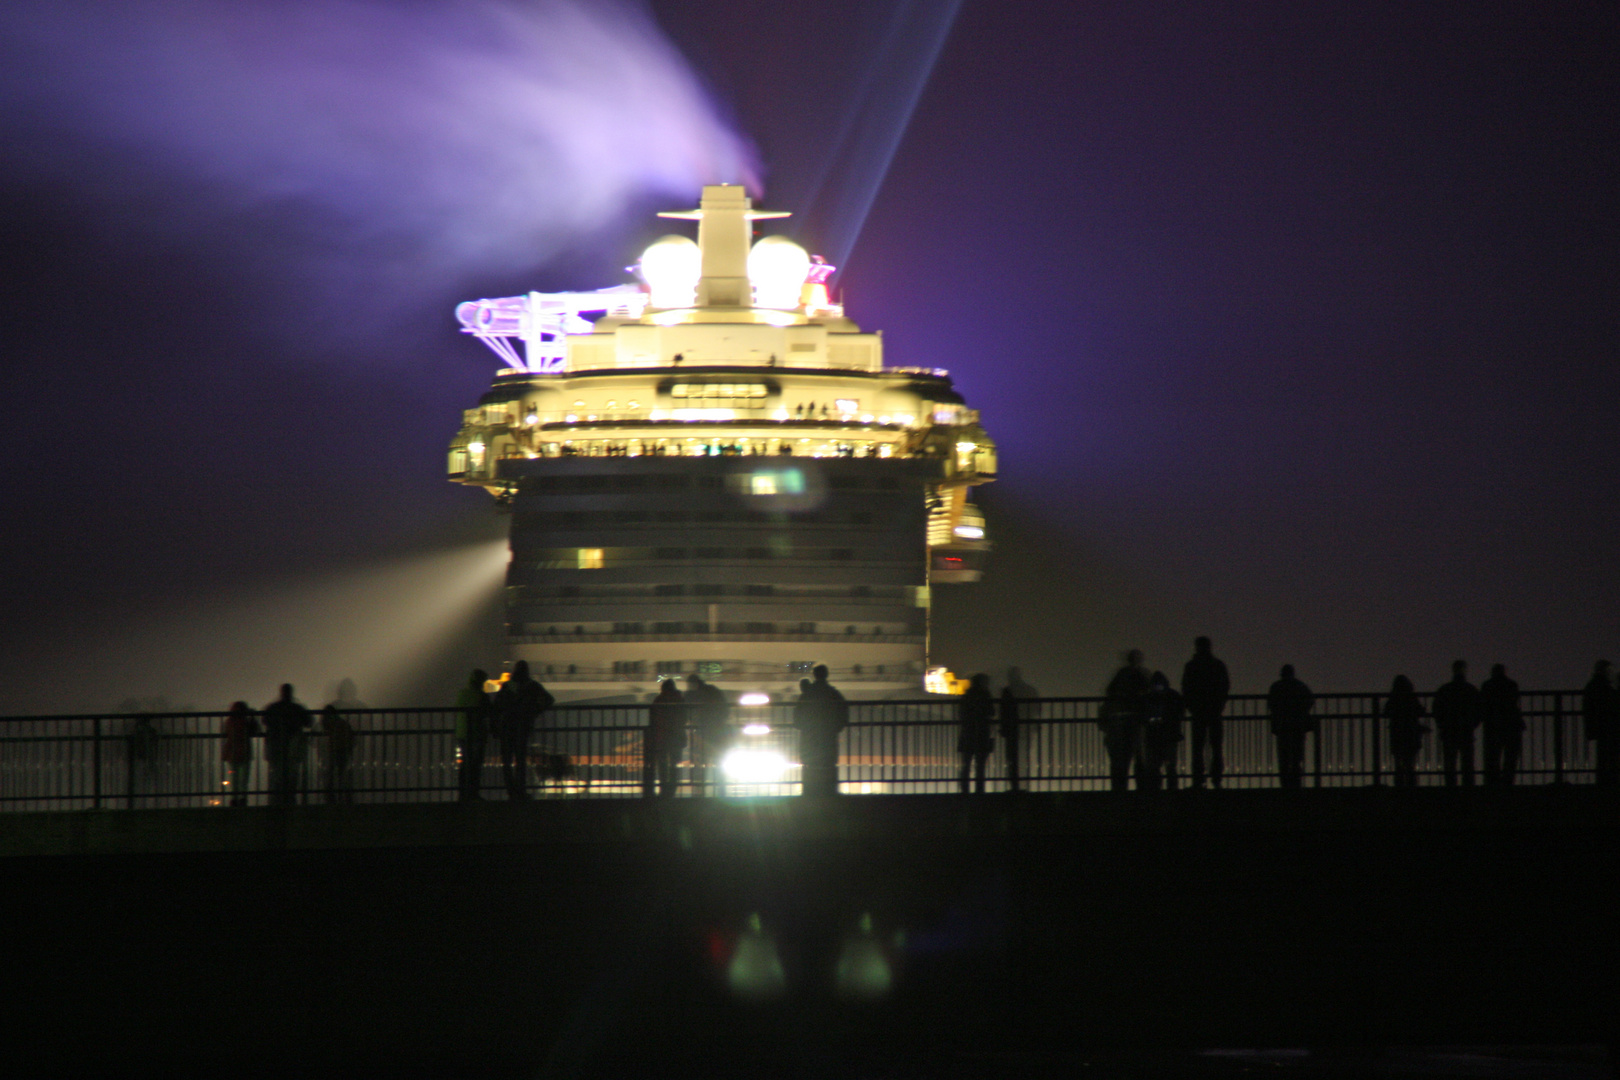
(718, 474)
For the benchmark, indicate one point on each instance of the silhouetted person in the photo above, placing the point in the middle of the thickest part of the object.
(1456, 715)
(236, 750)
(518, 707)
(1502, 724)
(1161, 733)
(821, 715)
(1013, 717)
(710, 716)
(1008, 714)
(285, 722)
(976, 712)
(474, 712)
(1600, 719)
(663, 743)
(1123, 711)
(1205, 686)
(339, 751)
(141, 758)
(1290, 703)
(1404, 710)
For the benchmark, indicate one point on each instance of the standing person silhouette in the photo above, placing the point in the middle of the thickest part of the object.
(1290, 702)
(338, 752)
(1123, 711)
(1013, 716)
(1600, 721)
(1161, 732)
(1007, 711)
(237, 750)
(1456, 715)
(1205, 686)
(710, 716)
(285, 721)
(663, 743)
(473, 711)
(518, 706)
(1404, 711)
(1502, 723)
(974, 740)
(821, 715)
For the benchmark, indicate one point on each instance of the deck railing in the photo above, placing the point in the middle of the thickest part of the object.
(889, 747)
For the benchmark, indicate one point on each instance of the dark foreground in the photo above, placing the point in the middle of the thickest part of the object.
(870, 937)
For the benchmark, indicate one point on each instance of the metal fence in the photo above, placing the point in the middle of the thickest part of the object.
(889, 747)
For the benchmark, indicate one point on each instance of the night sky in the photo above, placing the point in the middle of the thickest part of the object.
(1295, 324)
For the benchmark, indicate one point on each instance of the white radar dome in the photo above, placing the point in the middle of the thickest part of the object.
(777, 267)
(671, 266)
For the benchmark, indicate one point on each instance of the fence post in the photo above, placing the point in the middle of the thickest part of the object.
(95, 766)
(1377, 747)
(1558, 738)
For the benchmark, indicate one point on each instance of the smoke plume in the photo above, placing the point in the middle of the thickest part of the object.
(394, 143)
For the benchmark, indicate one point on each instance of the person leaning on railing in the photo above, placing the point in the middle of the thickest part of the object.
(518, 707)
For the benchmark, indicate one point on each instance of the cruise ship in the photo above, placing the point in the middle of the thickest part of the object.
(712, 471)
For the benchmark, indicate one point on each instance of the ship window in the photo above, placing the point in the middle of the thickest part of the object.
(711, 553)
(627, 667)
(590, 558)
(670, 667)
(627, 628)
(719, 390)
(669, 553)
(669, 590)
(761, 627)
(668, 628)
(706, 590)
(759, 590)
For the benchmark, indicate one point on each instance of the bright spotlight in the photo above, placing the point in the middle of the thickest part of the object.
(671, 267)
(777, 267)
(754, 699)
(754, 766)
(756, 729)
